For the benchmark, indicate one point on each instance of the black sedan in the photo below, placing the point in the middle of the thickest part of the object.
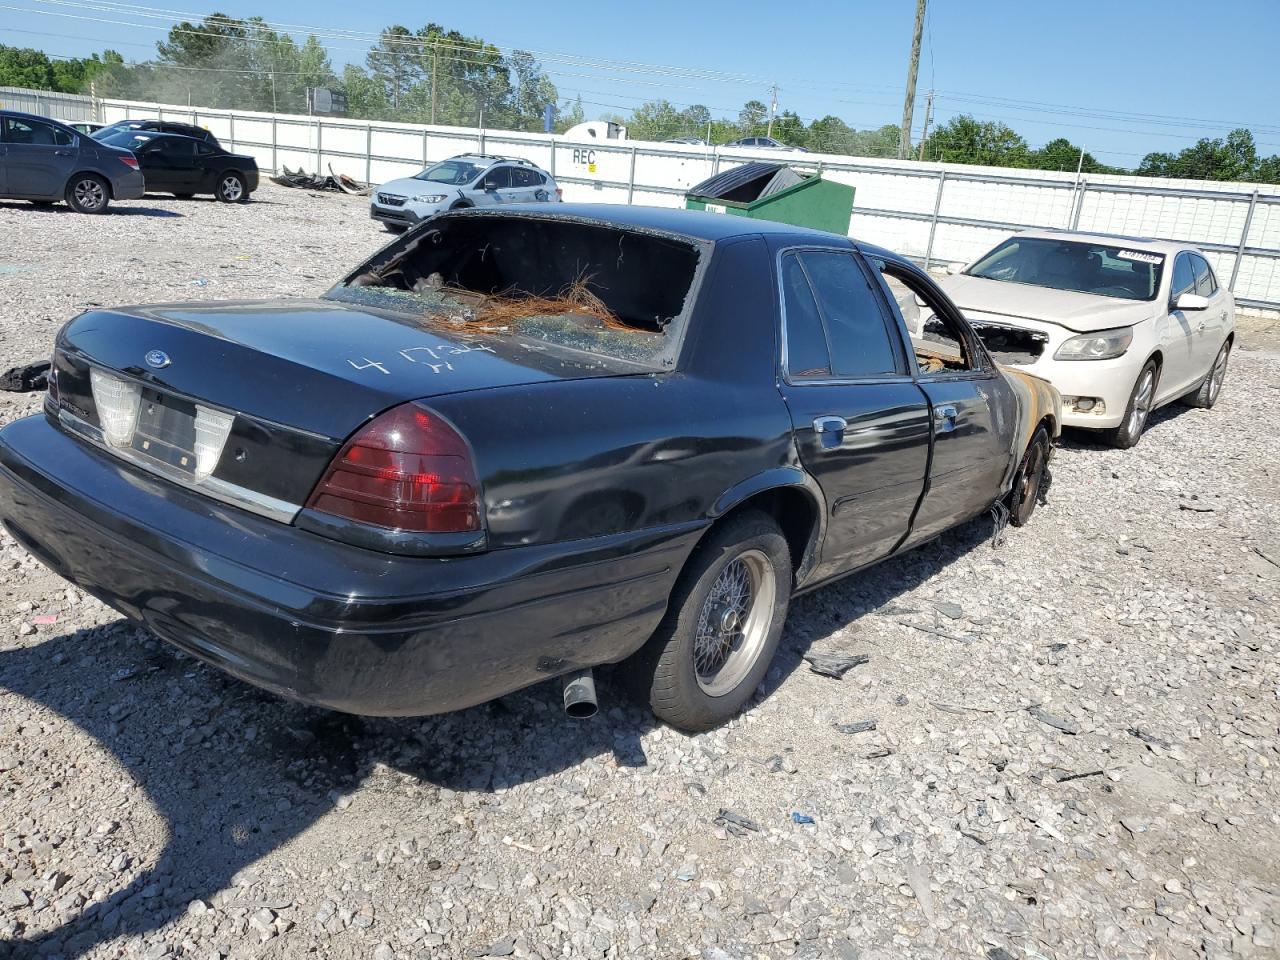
(515, 445)
(185, 166)
(155, 126)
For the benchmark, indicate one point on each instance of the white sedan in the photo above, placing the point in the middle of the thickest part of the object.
(1120, 326)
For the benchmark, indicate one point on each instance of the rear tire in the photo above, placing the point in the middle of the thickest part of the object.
(1141, 403)
(721, 630)
(231, 188)
(88, 193)
(1206, 395)
(1030, 480)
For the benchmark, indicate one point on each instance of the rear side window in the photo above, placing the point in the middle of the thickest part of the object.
(852, 313)
(1206, 283)
(807, 353)
(523, 177)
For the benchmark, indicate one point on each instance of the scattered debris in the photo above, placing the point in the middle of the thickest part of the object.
(1065, 777)
(918, 881)
(935, 631)
(44, 620)
(340, 182)
(835, 667)
(1192, 508)
(735, 823)
(999, 524)
(1150, 738)
(952, 611)
(1047, 718)
(28, 378)
(862, 726)
(801, 818)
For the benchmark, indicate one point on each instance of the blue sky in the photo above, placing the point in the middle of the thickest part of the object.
(1120, 79)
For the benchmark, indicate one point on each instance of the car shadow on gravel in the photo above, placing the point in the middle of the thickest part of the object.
(235, 772)
(1077, 438)
(117, 209)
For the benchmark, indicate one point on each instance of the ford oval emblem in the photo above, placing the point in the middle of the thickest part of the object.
(157, 358)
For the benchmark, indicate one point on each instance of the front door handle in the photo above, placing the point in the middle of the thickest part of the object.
(945, 417)
(64, 153)
(830, 431)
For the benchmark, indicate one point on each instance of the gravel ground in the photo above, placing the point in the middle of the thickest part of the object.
(1074, 748)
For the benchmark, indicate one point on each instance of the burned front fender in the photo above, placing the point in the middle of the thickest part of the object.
(1038, 403)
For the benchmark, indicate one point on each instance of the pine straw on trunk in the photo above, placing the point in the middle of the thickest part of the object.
(502, 311)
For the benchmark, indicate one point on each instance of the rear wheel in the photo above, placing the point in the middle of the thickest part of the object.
(1029, 482)
(1206, 395)
(721, 630)
(88, 193)
(231, 188)
(1141, 402)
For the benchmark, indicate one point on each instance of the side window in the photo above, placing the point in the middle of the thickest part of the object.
(1184, 279)
(524, 177)
(35, 133)
(854, 318)
(204, 150)
(1206, 284)
(499, 178)
(807, 353)
(940, 347)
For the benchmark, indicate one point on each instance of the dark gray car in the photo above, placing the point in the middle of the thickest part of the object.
(44, 161)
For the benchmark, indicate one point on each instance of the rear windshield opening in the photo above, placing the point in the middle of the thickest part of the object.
(587, 286)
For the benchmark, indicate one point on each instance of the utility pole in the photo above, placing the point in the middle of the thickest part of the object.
(928, 113)
(773, 109)
(908, 106)
(435, 66)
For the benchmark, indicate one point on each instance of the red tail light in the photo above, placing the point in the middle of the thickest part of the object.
(407, 470)
(130, 161)
(559, 193)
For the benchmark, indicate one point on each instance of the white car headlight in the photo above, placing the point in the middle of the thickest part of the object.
(429, 198)
(1103, 345)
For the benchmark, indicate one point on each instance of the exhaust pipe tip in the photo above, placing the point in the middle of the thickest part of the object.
(580, 695)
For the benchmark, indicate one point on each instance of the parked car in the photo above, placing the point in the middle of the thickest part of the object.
(1120, 325)
(468, 180)
(44, 161)
(389, 501)
(185, 166)
(767, 143)
(157, 126)
(691, 141)
(85, 127)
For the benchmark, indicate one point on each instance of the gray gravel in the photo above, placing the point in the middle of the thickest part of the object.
(1063, 748)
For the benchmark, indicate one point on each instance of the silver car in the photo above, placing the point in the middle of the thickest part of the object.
(468, 180)
(44, 161)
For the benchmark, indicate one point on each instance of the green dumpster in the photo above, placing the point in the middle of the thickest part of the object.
(775, 191)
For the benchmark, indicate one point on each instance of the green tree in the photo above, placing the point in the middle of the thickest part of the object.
(573, 115)
(397, 62)
(790, 129)
(1062, 154)
(1235, 158)
(534, 90)
(964, 139)
(655, 120)
(751, 118)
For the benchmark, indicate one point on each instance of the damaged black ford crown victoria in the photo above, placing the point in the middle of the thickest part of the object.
(516, 445)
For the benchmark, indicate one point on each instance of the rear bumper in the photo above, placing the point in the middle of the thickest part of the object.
(129, 186)
(319, 621)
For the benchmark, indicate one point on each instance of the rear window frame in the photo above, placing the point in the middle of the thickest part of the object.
(672, 358)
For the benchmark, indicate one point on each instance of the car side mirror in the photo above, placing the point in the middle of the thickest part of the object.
(954, 268)
(490, 185)
(1192, 301)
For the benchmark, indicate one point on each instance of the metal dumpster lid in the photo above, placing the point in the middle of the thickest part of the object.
(716, 187)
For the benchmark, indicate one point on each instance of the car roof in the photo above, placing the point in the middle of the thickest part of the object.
(1149, 244)
(34, 116)
(695, 224)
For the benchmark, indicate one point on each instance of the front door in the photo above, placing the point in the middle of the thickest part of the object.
(861, 425)
(1211, 326)
(169, 164)
(495, 188)
(971, 409)
(39, 158)
(1175, 332)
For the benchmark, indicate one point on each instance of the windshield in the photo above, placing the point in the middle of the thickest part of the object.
(453, 172)
(121, 127)
(555, 282)
(1081, 266)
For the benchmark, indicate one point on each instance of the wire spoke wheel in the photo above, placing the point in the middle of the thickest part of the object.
(89, 194)
(734, 622)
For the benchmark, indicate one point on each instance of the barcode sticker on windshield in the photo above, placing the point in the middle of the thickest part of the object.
(1140, 257)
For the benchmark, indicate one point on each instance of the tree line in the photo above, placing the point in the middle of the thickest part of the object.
(436, 75)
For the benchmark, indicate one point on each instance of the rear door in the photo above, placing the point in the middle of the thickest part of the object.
(1211, 326)
(861, 424)
(39, 157)
(973, 410)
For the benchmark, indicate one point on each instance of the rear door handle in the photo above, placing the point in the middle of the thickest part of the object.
(64, 153)
(945, 417)
(830, 431)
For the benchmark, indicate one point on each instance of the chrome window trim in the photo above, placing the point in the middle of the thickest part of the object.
(212, 487)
